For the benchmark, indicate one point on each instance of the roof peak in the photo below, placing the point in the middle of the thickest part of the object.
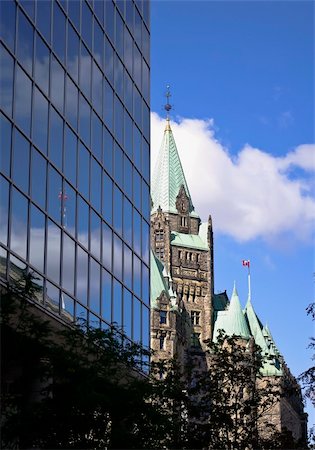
(168, 125)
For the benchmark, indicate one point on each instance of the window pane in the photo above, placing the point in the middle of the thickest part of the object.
(128, 142)
(59, 32)
(119, 121)
(6, 80)
(73, 48)
(136, 320)
(136, 275)
(54, 189)
(119, 77)
(53, 252)
(72, 98)
(23, 99)
(127, 322)
(95, 235)
(118, 166)
(107, 246)
(145, 160)
(128, 177)
(28, 6)
(145, 242)
(67, 305)
(127, 267)
(43, 18)
(106, 296)
(41, 63)
(118, 199)
(108, 151)
(4, 208)
(109, 19)
(87, 24)
(95, 304)
(21, 161)
(40, 120)
(96, 185)
(19, 223)
(107, 198)
(97, 131)
(109, 61)
(70, 156)
(55, 137)
(145, 200)
(57, 84)
(119, 41)
(98, 42)
(117, 254)
(83, 222)
(7, 23)
(85, 71)
(38, 178)
(117, 304)
(70, 205)
(68, 253)
(137, 147)
(137, 69)
(52, 297)
(85, 120)
(145, 326)
(137, 231)
(74, 13)
(108, 105)
(97, 89)
(5, 144)
(25, 37)
(137, 189)
(82, 275)
(84, 171)
(37, 238)
(81, 312)
(127, 221)
(145, 285)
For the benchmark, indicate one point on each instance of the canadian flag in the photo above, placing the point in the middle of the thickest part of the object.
(246, 262)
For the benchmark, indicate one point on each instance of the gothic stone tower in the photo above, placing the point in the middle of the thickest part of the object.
(182, 305)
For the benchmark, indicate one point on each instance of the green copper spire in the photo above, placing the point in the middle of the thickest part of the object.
(168, 176)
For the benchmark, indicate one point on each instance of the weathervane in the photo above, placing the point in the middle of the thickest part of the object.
(168, 106)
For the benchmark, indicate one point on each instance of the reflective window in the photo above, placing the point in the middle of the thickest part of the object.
(145, 285)
(52, 297)
(59, 31)
(40, 120)
(85, 71)
(127, 321)
(87, 24)
(128, 177)
(95, 304)
(137, 29)
(80, 311)
(145, 200)
(145, 326)
(109, 19)
(119, 41)
(128, 142)
(137, 147)
(130, 15)
(146, 120)
(37, 238)
(99, 11)
(107, 198)
(107, 246)
(136, 320)
(145, 40)
(145, 81)
(127, 221)
(3, 258)
(21, 161)
(84, 171)
(98, 42)
(41, 71)
(106, 295)
(117, 256)
(95, 234)
(119, 77)
(68, 263)
(137, 103)
(127, 267)
(137, 232)
(118, 165)
(23, 100)
(82, 275)
(117, 304)
(85, 120)
(145, 160)
(137, 189)
(97, 132)
(108, 105)
(38, 178)
(54, 194)
(136, 275)
(73, 49)
(119, 121)
(97, 89)
(94, 321)
(72, 105)
(67, 307)
(118, 202)
(74, 13)
(145, 242)
(5, 144)
(83, 222)
(4, 208)
(96, 185)
(128, 47)
(43, 18)
(70, 209)
(108, 151)
(55, 138)
(137, 69)
(53, 252)
(38, 281)
(25, 37)
(109, 61)
(7, 23)
(57, 84)
(6, 77)
(28, 6)
(70, 156)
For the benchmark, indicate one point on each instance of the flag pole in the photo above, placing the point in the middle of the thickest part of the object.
(249, 287)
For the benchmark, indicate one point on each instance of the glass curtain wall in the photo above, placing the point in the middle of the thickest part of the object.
(74, 182)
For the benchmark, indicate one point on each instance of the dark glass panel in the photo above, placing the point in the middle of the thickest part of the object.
(137, 232)
(136, 275)
(52, 297)
(99, 10)
(128, 142)
(23, 100)
(41, 69)
(85, 120)
(120, 4)
(82, 275)
(136, 320)
(7, 23)
(118, 202)
(38, 282)
(73, 50)
(117, 254)
(80, 311)
(145, 285)
(145, 160)
(6, 80)
(118, 166)
(127, 267)
(130, 15)
(128, 49)
(25, 38)
(128, 177)
(106, 296)
(87, 24)
(109, 19)
(70, 156)
(145, 326)
(146, 121)
(119, 78)
(83, 222)
(137, 68)
(117, 304)
(55, 138)
(54, 194)
(21, 161)
(59, 32)
(145, 81)
(146, 11)
(95, 234)
(94, 301)
(67, 307)
(108, 151)
(5, 144)
(145, 41)
(127, 221)
(109, 61)
(98, 52)
(107, 246)
(37, 238)
(137, 106)
(137, 30)
(3, 258)
(28, 6)
(38, 178)
(107, 198)
(4, 208)
(97, 89)
(64, 4)
(19, 223)
(17, 268)
(119, 42)
(43, 18)
(108, 105)
(74, 13)
(70, 209)
(127, 321)
(97, 131)
(94, 321)
(57, 84)
(40, 121)
(53, 252)
(145, 242)
(137, 189)
(84, 171)
(68, 264)
(119, 121)
(96, 185)
(145, 200)
(72, 98)
(85, 71)
(137, 147)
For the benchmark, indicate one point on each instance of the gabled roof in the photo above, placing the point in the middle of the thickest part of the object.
(157, 281)
(168, 176)
(188, 240)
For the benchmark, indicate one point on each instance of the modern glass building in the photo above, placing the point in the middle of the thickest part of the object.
(74, 183)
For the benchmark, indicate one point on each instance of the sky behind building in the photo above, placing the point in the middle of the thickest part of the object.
(241, 76)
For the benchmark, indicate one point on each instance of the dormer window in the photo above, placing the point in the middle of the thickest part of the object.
(159, 235)
(163, 317)
(183, 221)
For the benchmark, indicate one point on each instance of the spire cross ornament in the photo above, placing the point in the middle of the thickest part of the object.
(246, 263)
(168, 106)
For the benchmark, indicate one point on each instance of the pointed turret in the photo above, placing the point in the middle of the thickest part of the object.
(168, 176)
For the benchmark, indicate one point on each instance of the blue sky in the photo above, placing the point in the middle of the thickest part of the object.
(242, 83)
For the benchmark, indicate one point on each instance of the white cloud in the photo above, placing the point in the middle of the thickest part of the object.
(249, 196)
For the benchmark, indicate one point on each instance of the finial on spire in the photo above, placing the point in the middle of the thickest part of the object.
(168, 106)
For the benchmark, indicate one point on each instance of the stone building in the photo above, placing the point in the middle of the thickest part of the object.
(185, 311)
